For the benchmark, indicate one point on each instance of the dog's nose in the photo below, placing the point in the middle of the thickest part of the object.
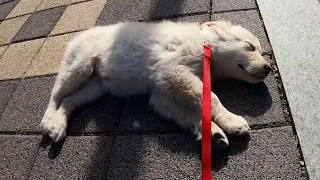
(267, 68)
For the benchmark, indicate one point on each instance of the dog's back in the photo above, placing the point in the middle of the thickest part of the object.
(127, 54)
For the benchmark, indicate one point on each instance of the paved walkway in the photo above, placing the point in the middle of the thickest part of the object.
(116, 138)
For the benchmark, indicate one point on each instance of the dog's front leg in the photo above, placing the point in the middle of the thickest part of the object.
(185, 88)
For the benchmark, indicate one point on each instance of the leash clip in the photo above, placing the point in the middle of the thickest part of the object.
(205, 43)
(207, 49)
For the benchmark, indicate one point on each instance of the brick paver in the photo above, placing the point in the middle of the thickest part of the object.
(17, 58)
(79, 17)
(27, 105)
(10, 27)
(123, 138)
(17, 155)
(39, 24)
(47, 4)
(84, 157)
(24, 7)
(6, 8)
(49, 58)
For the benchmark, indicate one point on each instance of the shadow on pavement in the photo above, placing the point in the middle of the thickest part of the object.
(243, 98)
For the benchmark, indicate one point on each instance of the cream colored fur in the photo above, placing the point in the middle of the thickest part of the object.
(161, 59)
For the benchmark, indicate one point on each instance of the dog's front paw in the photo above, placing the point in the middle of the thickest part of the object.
(55, 128)
(233, 124)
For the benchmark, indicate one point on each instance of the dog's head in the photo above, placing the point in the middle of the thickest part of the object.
(237, 52)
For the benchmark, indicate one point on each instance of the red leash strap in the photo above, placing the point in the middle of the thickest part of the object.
(206, 115)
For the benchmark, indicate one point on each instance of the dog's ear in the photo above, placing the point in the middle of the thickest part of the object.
(219, 23)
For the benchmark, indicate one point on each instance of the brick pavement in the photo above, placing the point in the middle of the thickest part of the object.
(115, 138)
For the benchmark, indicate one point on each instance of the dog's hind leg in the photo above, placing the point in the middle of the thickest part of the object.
(73, 72)
(56, 127)
(187, 118)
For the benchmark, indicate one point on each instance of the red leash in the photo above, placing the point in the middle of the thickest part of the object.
(206, 115)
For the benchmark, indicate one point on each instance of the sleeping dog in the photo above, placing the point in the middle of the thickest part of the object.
(161, 59)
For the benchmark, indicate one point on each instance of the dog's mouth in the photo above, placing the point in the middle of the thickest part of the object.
(256, 76)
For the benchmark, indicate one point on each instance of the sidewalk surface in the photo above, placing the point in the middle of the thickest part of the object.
(116, 138)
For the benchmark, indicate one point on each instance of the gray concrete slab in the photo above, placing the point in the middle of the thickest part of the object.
(293, 29)
(17, 154)
(79, 157)
(270, 154)
(27, 105)
(134, 10)
(249, 19)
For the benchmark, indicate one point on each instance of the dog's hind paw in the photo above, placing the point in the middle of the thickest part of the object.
(55, 129)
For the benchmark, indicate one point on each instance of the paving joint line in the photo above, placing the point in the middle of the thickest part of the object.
(3, 51)
(12, 40)
(211, 8)
(20, 133)
(234, 10)
(29, 65)
(13, 91)
(270, 125)
(116, 125)
(66, 5)
(174, 16)
(5, 2)
(73, 3)
(95, 24)
(33, 161)
(41, 76)
(69, 32)
(23, 14)
(6, 19)
(28, 39)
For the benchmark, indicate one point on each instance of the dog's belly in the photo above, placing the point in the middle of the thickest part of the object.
(122, 81)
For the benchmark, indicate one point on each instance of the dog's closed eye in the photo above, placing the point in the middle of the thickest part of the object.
(251, 47)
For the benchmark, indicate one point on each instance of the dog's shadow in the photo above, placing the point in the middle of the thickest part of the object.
(54, 149)
(243, 98)
(239, 97)
(220, 158)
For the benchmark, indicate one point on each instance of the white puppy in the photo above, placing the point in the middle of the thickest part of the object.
(164, 60)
